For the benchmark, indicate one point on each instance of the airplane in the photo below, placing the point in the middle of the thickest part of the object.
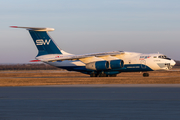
(103, 64)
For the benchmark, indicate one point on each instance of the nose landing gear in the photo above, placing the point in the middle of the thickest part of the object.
(145, 74)
(168, 65)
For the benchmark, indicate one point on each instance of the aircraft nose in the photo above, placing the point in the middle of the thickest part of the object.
(172, 63)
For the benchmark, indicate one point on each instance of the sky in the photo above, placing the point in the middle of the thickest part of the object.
(89, 26)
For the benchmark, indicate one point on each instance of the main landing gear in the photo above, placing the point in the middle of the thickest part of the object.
(93, 75)
(114, 75)
(102, 75)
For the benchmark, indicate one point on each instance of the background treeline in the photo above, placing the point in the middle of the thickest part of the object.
(36, 66)
(177, 63)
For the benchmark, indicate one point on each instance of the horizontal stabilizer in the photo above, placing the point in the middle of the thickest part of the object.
(34, 28)
(35, 61)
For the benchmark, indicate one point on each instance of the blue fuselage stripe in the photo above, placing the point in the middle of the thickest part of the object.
(127, 68)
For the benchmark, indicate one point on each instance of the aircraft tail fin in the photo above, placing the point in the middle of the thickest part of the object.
(42, 40)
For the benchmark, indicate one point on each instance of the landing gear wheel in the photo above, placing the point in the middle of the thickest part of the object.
(145, 74)
(93, 75)
(103, 75)
(113, 75)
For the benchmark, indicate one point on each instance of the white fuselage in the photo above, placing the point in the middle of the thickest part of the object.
(130, 58)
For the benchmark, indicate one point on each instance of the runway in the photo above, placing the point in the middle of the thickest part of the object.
(80, 102)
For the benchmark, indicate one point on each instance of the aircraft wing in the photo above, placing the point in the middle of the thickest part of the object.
(87, 58)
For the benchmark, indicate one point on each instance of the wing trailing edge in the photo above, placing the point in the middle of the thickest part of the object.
(86, 58)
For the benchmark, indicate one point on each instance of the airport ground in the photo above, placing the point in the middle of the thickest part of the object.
(59, 77)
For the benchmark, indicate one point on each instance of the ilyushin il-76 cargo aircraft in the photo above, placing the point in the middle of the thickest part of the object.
(104, 64)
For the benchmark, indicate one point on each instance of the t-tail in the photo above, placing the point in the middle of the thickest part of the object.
(42, 40)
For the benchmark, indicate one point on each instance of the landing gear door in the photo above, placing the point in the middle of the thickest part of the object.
(143, 64)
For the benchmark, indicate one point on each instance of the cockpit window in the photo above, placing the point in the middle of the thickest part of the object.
(164, 57)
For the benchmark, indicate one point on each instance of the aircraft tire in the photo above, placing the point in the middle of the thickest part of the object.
(93, 75)
(103, 75)
(145, 74)
(113, 75)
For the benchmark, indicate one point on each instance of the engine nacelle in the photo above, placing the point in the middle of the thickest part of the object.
(99, 65)
(105, 65)
(115, 64)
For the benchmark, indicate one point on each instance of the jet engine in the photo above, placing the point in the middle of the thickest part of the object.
(115, 64)
(105, 65)
(99, 65)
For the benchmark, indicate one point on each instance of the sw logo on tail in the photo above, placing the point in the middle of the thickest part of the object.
(106, 64)
(42, 42)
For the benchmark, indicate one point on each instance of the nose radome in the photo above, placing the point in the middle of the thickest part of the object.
(173, 62)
